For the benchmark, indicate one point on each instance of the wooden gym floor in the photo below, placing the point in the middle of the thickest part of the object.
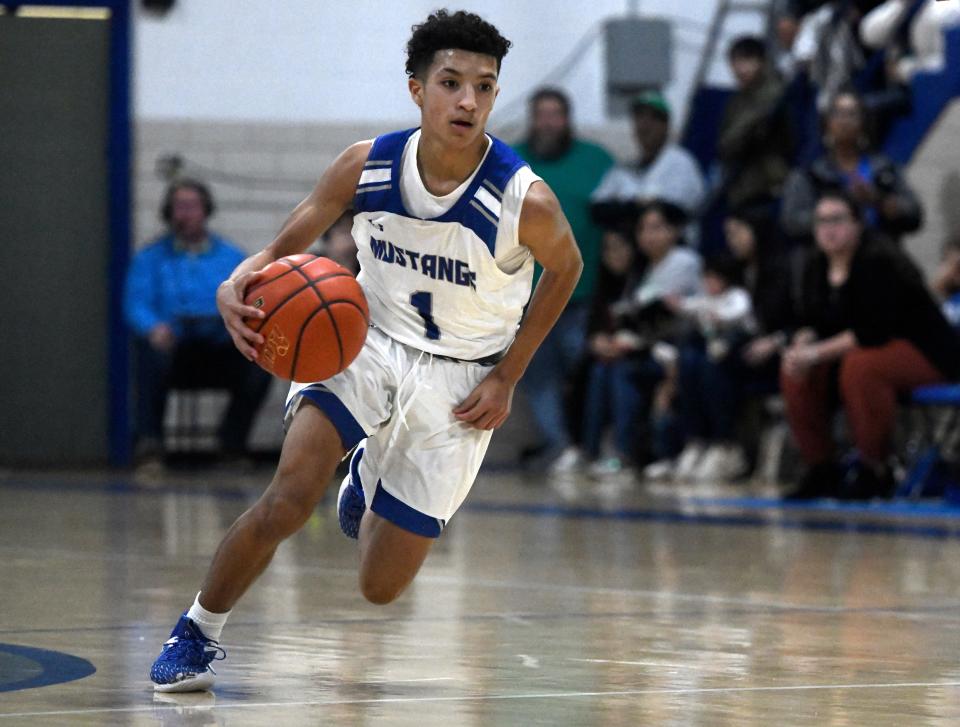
(560, 603)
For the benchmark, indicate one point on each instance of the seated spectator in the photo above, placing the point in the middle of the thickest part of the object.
(170, 306)
(753, 240)
(623, 375)
(754, 145)
(665, 171)
(871, 333)
(708, 373)
(338, 244)
(911, 33)
(875, 181)
(573, 168)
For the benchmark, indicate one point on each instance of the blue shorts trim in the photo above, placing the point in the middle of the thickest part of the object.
(396, 511)
(347, 427)
(402, 515)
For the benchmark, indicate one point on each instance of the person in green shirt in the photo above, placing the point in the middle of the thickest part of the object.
(573, 168)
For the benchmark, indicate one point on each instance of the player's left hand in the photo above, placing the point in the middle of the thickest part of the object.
(488, 405)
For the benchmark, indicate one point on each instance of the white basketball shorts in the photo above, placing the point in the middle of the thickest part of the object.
(418, 462)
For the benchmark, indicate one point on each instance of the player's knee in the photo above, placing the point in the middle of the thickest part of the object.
(280, 516)
(378, 593)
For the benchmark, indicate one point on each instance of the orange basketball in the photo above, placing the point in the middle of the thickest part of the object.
(316, 317)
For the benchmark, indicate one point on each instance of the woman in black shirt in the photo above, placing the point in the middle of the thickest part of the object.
(872, 330)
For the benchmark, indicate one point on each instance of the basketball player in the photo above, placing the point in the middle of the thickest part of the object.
(447, 221)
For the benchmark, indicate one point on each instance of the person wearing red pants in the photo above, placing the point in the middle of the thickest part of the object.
(872, 332)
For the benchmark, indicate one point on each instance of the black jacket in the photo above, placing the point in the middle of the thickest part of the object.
(804, 185)
(883, 298)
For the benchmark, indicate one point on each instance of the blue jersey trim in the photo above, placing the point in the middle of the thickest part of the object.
(343, 421)
(384, 197)
(500, 164)
(402, 515)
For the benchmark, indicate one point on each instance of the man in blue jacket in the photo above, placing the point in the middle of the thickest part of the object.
(170, 305)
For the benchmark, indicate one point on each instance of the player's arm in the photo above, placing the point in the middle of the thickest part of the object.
(332, 196)
(545, 231)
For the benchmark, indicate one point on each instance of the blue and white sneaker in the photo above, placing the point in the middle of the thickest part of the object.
(350, 502)
(350, 508)
(184, 662)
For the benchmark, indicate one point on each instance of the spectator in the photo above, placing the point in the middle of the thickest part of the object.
(891, 207)
(338, 244)
(911, 32)
(787, 15)
(573, 168)
(708, 373)
(754, 144)
(665, 171)
(623, 374)
(873, 331)
(170, 306)
(827, 46)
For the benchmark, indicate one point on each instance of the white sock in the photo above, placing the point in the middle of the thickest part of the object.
(210, 623)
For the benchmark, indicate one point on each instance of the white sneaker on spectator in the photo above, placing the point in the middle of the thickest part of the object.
(569, 460)
(605, 467)
(721, 463)
(662, 469)
(688, 461)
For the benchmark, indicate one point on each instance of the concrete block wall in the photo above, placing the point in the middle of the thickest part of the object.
(259, 172)
(934, 173)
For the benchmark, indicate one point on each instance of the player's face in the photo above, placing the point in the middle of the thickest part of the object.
(456, 96)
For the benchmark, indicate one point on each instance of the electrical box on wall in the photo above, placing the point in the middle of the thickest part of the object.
(158, 6)
(639, 56)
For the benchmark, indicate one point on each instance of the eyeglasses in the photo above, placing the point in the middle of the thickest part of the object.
(825, 220)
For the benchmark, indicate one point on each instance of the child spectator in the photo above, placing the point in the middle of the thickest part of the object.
(707, 371)
(623, 375)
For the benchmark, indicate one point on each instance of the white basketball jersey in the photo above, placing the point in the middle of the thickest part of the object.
(446, 275)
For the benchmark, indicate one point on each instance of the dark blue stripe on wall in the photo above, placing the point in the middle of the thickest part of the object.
(30, 668)
(774, 518)
(118, 172)
(120, 214)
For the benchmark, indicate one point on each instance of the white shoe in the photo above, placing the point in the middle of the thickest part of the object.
(662, 469)
(605, 468)
(688, 461)
(721, 463)
(569, 461)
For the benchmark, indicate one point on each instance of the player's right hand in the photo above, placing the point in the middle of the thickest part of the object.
(233, 311)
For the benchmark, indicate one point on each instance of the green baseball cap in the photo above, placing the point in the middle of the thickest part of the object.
(651, 100)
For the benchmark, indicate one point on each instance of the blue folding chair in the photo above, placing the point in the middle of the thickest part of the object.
(931, 472)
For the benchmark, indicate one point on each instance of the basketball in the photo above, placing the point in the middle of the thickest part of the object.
(316, 317)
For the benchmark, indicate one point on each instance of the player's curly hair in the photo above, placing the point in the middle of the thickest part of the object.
(460, 31)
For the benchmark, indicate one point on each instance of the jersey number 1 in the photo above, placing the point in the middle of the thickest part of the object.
(423, 302)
